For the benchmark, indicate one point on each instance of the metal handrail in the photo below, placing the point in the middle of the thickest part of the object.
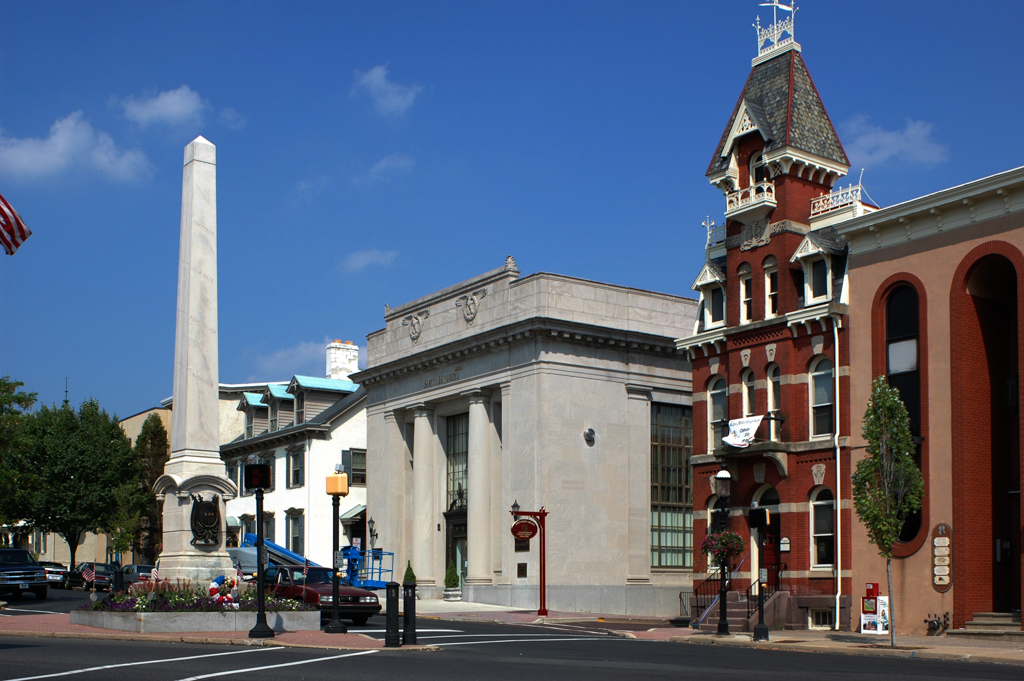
(774, 585)
(704, 594)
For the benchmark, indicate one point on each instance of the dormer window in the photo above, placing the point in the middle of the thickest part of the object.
(815, 256)
(250, 422)
(711, 284)
(300, 407)
(816, 278)
(758, 170)
(274, 414)
(716, 307)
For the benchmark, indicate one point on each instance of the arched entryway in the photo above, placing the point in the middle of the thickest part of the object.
(985, 398)
(764, 543)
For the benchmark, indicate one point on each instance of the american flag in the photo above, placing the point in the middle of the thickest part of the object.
(154, 575)
(88, 575)
(238, 571)
(13, 231)
(305, 569)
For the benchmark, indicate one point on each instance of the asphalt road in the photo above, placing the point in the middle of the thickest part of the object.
(56, 601)
(466, 651)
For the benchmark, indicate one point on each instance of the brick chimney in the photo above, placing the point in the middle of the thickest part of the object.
(342, 359)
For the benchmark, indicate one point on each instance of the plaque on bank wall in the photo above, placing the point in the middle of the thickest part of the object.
(942, 557)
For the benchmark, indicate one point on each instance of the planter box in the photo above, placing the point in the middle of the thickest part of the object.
(453, 594)
(168, 622)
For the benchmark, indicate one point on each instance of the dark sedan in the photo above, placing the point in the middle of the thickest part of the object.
(316, 589)
(103, 577)
(56, 574)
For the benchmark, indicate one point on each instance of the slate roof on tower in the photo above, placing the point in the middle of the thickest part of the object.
(783, 89)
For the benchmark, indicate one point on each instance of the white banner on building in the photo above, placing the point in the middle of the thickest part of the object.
(741, 431)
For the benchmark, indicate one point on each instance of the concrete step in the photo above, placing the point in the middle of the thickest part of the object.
(994, 621)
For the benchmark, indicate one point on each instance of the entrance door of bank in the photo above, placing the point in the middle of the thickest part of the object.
(461, 560)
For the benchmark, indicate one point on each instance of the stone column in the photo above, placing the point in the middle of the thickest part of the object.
(423, 507)
(195, 470)
(478, 474)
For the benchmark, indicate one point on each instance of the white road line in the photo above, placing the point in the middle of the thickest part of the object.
(381, 631)
(274, 666)
(47, 612)
(3, 615)
(536, 640)
(134, 664)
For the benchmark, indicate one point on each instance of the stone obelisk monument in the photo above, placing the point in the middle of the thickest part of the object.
(194, 486)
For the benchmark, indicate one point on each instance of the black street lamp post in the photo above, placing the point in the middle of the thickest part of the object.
(337, 487)
(262, 629)
(722, 480)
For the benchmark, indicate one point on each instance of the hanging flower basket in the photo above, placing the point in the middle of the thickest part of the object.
(721, 548)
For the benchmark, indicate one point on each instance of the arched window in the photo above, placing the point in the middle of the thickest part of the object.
(749, 404)
(902, 371)
(771, 287)
(718, 418)
(822, 528)
(746, 293)
(775, 399)
(758, 170)
(821, 397)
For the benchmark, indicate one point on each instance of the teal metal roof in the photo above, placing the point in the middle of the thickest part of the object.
(279, 390)
(332, 384)
(253, 399)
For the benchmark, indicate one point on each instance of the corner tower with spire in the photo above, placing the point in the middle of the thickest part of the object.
(769, 340)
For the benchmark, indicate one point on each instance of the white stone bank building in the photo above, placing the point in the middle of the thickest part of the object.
(485, 393)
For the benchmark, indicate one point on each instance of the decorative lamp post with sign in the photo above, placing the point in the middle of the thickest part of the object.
(723, 481)
(257, 477)
(526, 526)
(337, 487)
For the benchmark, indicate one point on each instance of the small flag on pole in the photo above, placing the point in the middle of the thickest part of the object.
(13, 231)
(305, 569)
(88, 575)
(155, 574)
(238, 571)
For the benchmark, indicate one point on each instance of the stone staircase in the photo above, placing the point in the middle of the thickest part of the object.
(736, 613)
(999, 626)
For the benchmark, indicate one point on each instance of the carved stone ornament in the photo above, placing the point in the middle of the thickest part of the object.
(205, 520)
(387, 309)
(469, 304)
(755, 234)
(758, 472)
(510, 264)
(745, 356)
(769, 350)
(415, 324)
(818, 472)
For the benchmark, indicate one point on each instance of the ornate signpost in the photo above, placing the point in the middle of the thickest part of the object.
(526, 528)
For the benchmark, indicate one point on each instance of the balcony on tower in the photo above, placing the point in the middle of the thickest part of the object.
(751, 203)
(839, 205)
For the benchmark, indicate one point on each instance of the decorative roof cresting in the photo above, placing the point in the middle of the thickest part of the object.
(779, 36)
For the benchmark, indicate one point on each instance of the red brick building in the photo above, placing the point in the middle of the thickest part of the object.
(771, 339)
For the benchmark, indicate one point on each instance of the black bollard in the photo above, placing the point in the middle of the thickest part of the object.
(391, 638)
(409, 614)
(118, 580)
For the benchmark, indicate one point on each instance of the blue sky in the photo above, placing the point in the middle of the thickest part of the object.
(371, 153)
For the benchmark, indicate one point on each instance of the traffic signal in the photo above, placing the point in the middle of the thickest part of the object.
(257, 476)
(760, 518)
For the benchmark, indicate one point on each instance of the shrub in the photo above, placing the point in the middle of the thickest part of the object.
(451, 577)
(410, 576)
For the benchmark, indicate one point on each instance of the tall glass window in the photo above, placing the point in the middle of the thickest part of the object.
(300, 407)
(771, 287)
(671, 486)
(274, 407)
(718, 417)
(822, 529)
(717, 307)
(749, 393)
(747, 298)
(296, 533)
(903, 372)
(250, 418)
(821, 397)
(819, 279)
(458, 458)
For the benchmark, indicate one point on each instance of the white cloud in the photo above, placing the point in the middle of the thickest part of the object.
(73, 142)
(393, 164)
(232, 119)
(360, 260)
(390, 99)
(311, 185)
(873, 145)
(304, 358)
(173, 107)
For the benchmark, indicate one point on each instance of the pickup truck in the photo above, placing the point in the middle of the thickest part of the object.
(19, 572)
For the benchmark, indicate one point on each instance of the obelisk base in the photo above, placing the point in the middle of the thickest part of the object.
(181, 558)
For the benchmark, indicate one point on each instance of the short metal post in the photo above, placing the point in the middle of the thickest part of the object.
(409, 614)
(119, 580)
(723, 600)
(391, 637)
(761, 630)
(335, 626)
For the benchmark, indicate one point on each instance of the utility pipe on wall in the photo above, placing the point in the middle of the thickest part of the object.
(839, 498)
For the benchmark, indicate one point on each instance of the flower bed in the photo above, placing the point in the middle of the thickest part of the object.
(183, 596)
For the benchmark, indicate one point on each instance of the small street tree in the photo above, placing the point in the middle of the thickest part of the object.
(152, 451)
(71, 470)
(887, 485)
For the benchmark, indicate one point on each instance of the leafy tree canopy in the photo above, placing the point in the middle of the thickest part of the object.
(14, 437)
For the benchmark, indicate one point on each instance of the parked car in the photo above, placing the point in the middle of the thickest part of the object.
(103, 576)
(134, 572)
(56, 573)
(316, 589)
(19, 572)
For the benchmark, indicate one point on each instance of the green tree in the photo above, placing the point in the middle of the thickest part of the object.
(72, 469)
(451, 577)
(152, 451)
(14, 439)
(410, 576)
(888, 485)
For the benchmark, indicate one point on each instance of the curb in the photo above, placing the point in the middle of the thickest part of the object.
(935, 655)
(195, 639)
